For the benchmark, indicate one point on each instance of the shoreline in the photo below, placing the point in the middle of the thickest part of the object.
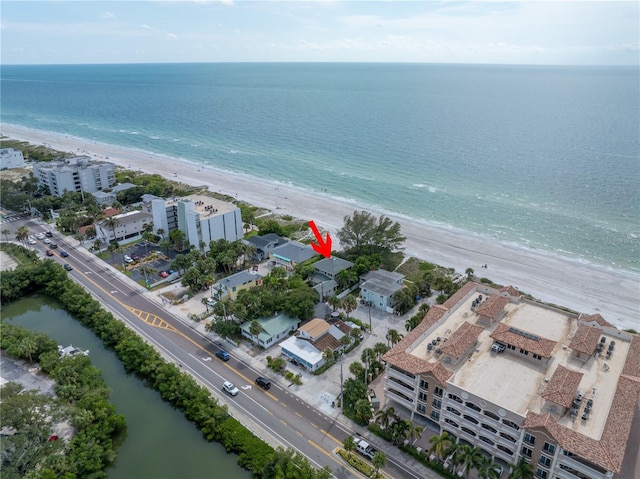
(581, 286)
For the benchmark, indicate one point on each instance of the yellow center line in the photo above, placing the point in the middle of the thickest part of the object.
(330, 436)
(313, 425)
(298, 414)
(283, 422)
(329, 455)
(299, 434)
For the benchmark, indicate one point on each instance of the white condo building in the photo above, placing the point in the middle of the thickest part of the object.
(520, 379)
(201, 219)
(75, 174)
(10, 158)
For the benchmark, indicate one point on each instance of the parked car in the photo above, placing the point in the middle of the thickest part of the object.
(222, 354)
(264, 383)
(163, 274)
(135, 257)
(64, 254)
(230, 388)
(49, 252)
(68, 267)
(31, 240)
(127, 259)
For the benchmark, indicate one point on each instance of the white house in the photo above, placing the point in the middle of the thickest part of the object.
(379, 287)
(129, 226)
(10, 158)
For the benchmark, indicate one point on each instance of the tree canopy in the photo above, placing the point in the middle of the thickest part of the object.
(362, 233)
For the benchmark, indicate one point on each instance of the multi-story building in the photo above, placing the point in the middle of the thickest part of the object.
(201, 218)
(125, 227)
(10, 158)
(517, 378)
(75, 174)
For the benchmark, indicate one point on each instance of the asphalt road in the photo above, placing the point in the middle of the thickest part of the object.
(290, 420)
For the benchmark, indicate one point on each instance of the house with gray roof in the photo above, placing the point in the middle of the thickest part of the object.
(273, 329)
(265, 244)
(290, 254)
(323, 280)
(229, 287)
(378, 288)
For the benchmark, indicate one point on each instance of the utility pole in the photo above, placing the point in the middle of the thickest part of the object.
(370, 326)
(341, 391)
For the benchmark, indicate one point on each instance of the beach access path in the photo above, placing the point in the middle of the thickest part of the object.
(583, 287)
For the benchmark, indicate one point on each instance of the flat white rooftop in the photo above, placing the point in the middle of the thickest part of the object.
(206, 205)
(517, 383)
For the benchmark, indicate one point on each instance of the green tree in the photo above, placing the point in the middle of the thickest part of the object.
(362, 233)
(379, 460)
(334, 302)
(441, 445)
(393, 337)
(5, 232)
(362, 411)
(469, 272)
(28, 347)
(328, 355)
(487, 469)
(111, 222)
(349, 304)
(22, 234)
(414, 432)
(522, 470)
(255, 328)
(177, 237)
(468, 457)
(349, 444)
(357, 369)
(112, 248)
(384, 417)
(97, 244)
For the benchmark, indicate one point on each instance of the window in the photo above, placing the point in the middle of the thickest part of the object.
(487, 440)
(453, 410)
(455, 398)
(424, 385)
(505, 449)
(550, 448)
(435, 415)
(422, 396)
(468, 431)
(470, 419)
(422, 408)
(472, 406)
(526, 452)
(542, 474)
(507, 437)
(529, 439)
(453, 423)
(491, 415)
(511, 346)
(437, 403)
(438, 391)
(511, 424)
(537, 356)
(544, 460)
(489, 428)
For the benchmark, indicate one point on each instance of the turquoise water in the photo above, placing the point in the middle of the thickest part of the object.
(543, 157)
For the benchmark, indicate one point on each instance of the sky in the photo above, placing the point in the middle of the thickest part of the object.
(423, 31)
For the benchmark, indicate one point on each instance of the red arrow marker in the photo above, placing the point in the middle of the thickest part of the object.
(323, 247)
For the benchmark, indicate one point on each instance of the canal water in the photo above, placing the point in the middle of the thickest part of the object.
(160, 443)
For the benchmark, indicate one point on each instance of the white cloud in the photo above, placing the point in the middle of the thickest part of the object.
(107, 15)
(145, 26)
(171, 35)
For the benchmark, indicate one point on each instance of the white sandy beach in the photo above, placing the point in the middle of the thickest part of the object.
(586, 288)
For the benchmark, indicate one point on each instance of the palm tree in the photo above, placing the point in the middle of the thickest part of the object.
(399, 430)
(487, 469)
(349, 303)
(349, 444)
(385, 417)
(334, 302)
(22, 234)
(112, 248)
(380, 349)
(378, 461)
(160, 232)
(97, 244)
(255, 328)
(356, 368)
(469, 272)
(441, 445)
(413, 433)
(393, 337)
(522, 470)
(28, 346)
(362, 411)
(6, 232)
(468, 457)
(112, 222)
(327, 355)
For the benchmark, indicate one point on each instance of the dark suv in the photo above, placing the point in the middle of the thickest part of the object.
(264, 383)
(222, 355)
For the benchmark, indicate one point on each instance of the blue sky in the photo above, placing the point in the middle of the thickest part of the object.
(521, 32)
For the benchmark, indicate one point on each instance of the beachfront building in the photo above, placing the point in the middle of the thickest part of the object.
(79, 174)
(273, 329)
(125, 227)
(201, 218)
(520, 379)
(11, 158)
(107, 198)
(306, 348)
(378, 287)
(290, 254)
(323, 280)
(264, 245)
(229, 287)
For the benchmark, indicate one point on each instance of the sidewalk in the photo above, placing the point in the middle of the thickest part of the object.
(318, 391)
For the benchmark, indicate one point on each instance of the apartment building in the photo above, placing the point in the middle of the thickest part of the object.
(201, 218)
(517, 378)
(128, 227)
(75, 174)
(11, 158)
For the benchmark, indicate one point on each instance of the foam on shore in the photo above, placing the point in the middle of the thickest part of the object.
(564, 281)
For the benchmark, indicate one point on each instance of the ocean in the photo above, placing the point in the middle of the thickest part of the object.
(543, 157)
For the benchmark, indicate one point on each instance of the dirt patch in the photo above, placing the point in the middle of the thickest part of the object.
(6, 261)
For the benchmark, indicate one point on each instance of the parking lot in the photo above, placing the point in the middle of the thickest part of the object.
(150, 256)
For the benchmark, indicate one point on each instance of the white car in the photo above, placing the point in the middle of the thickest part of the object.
(32, 241)
(230, 388)
(128, 259)
(46, 241)
(40, 236)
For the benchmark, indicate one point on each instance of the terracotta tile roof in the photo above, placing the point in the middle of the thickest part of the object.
(342, 326)
(492, 306)
(511, 291)
(608, 452)
(110, 212)
(594, 317)
(542, 346)
(415, 365)
(461, 339)
(461, 293)
(326, 341)
(562, 387)
(585, 339)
